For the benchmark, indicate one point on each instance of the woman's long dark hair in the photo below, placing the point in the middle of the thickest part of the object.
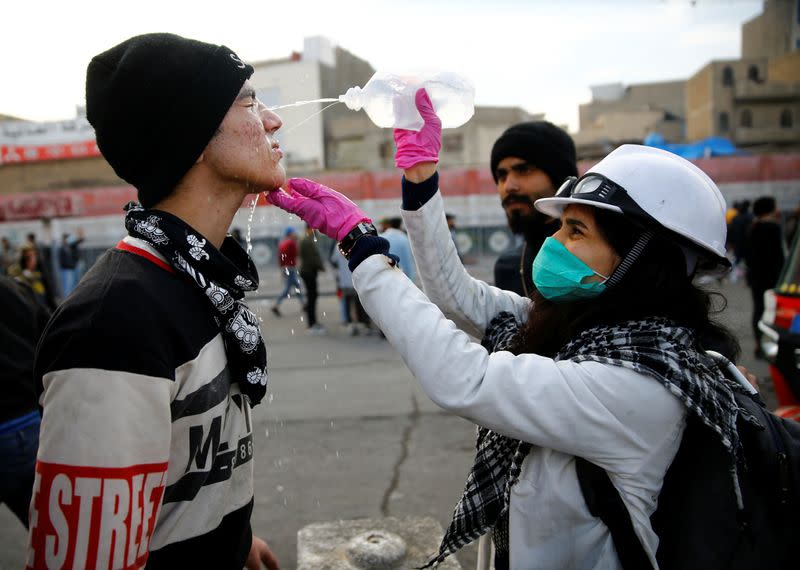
(656, 285)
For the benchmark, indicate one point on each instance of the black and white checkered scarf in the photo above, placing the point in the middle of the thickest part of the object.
(654, 347)
(223, 275)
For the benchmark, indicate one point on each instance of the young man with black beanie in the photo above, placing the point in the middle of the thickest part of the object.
(147, 372)
(529, 161)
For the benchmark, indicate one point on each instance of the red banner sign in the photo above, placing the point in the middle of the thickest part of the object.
(11, 154)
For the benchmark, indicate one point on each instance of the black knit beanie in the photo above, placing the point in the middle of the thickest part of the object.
(155, 101)
(540, 143)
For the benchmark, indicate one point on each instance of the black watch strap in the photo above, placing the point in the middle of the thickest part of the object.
(361, 229)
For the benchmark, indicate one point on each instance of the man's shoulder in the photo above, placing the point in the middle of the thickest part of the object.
(123, 279)
(127, 313)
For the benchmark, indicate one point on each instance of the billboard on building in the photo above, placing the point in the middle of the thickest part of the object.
(27, 141)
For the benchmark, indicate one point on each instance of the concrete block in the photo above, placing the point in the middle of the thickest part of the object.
(371, 544)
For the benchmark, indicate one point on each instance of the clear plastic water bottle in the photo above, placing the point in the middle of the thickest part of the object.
(388, 99)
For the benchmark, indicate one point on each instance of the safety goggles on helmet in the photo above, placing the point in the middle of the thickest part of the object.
(593, 189)
(664, 192)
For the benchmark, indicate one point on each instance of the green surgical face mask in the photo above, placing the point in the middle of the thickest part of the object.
(559, 275)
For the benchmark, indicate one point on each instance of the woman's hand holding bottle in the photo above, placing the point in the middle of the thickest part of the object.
(418, 151)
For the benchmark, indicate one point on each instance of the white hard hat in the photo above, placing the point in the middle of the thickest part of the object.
(654, 186)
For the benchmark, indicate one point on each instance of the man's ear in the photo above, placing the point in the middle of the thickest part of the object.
(200, 158)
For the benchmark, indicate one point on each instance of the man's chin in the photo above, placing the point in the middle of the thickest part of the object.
(519, 220)
(278, 180)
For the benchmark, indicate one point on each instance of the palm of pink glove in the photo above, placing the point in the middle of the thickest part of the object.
(424, 145)
(322, 208)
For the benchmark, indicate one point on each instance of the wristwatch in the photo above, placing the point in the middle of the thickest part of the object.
(362, 229)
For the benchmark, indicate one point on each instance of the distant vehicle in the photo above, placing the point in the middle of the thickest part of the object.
(780, 335)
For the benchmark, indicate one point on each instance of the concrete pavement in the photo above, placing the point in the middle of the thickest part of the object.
(346, 433)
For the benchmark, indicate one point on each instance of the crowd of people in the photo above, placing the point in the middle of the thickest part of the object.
(758, 241)
(155, 357)
(51, 271)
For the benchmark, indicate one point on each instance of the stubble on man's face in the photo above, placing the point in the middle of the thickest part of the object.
(520, 212)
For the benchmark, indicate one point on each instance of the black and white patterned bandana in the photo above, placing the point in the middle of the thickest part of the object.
(654, 347)
(223, 275)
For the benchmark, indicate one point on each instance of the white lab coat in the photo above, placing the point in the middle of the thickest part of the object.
(626, 422)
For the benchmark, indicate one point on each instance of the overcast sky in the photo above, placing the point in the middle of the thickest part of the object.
(540, 55)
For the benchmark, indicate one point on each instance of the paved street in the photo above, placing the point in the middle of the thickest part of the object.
(346, 433)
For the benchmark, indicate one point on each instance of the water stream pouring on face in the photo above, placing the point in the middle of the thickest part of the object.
(299, 103)
(311, 116)
(250, 223)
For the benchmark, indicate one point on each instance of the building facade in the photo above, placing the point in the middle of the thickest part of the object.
(619, 114)
(753, 101)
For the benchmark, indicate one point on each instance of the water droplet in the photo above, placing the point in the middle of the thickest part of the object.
(325, 387)
(337, 454)
(292, 331)
(279, 488)
(331, 424)
(271, 397)
(266, 432)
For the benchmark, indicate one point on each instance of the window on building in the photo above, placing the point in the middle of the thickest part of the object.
(453, 143)
(786, 119)
(752, 74)
(723, 122)
(746, 118)
(727, 76)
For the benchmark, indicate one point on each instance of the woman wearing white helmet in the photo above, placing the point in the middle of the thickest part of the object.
(604, 361)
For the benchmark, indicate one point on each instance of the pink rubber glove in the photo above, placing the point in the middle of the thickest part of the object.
(322, 208)
(414, 147)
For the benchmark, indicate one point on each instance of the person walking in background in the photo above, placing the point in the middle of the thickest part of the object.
(737, 237)
(8, 255)
(310, 266)
(22, 321)
(287, 261)
(356, 319)
(28, 271)
(764, 254)
(399, 245)
(68, 259)
(148, 371)
(529, 161)
(42, 268)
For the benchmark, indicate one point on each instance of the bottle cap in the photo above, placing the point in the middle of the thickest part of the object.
(354, 99)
